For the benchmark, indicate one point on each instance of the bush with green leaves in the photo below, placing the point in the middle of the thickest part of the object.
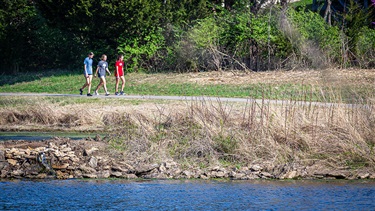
(205, 35)
(239, 40)
(313, 38)
(256, 39)
(365, 47)
(140, 53)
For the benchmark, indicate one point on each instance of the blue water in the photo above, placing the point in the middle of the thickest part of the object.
(186, 195)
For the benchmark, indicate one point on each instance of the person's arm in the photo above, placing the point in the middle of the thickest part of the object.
(85, 68)
(96, 73)
(117, 72)
(108, 71)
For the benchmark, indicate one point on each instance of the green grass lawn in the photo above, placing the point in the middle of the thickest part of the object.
(70, 84)
(137, 84)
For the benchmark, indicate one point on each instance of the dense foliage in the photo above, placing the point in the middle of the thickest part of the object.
(185, 35)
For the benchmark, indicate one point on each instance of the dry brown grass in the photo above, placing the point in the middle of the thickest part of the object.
(207, 132)
(333, 77)
(212, 131)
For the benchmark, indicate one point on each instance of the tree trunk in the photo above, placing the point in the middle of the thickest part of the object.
(327, 14)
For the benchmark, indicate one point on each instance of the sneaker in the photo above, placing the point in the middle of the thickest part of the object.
(80, 91)
(96, 93)
(89, 94)
(116, 93)
(122, 93)
(106, 94)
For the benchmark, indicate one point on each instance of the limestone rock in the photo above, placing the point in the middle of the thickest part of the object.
(3, 164)
(61, 175)
(87, 170)
(170, 164)
(41, 176)
(66, 149)
(75, 159)
(244, 169)
(12, 162)
(162, 168)
(17, 172)
(59, 167)
(52, 145)
(91, 176)
(116, 167)
(338, 174)
(252, 176)
(256, 168)
(4, 173)
(202, 176)
(187, 173)
(363, 175)
(239, 176)
(221, 174)
(266, 175)
(116, 174)
(130, 176)
(93, 162)
(90, 151)
(2, 155)
(145, 169)
(291, 175)
(104, 174)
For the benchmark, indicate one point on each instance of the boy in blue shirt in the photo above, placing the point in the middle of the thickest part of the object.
(87, 73)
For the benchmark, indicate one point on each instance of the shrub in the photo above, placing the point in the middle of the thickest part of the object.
(313, 39)
(140, 52)
(365, 47)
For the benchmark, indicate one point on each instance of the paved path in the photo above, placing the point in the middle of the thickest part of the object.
(184, 98)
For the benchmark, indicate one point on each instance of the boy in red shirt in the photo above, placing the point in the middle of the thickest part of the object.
(119, 74)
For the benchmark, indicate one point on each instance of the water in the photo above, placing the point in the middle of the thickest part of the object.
(186, 195)
(39, 136)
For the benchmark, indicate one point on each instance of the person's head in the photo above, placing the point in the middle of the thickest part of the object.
(120, 57)
(104, 57)
(91, 54)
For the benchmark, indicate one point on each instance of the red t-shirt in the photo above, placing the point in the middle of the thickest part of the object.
(119, 65)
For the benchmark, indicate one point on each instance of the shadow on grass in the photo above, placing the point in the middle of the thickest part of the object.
(10, 79)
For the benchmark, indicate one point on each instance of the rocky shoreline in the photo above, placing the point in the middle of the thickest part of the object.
(61, 158)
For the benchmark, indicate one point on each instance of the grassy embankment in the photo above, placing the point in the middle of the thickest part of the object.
(206, 133)
(322, 86)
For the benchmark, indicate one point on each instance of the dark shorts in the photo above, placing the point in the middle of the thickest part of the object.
(101, 75)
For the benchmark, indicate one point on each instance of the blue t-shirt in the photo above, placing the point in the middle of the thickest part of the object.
(103, 65)
(88, 63)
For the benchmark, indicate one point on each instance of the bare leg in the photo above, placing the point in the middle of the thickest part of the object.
(99, 85)
(117, 82)
(104, 84)
(123, 83)
(88, 82)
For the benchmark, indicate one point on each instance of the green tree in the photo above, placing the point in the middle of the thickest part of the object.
(17, 19)
(99, 24)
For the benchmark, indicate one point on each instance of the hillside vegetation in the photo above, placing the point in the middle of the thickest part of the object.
(185, 36)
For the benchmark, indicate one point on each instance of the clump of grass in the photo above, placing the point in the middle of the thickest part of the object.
(39, 114)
